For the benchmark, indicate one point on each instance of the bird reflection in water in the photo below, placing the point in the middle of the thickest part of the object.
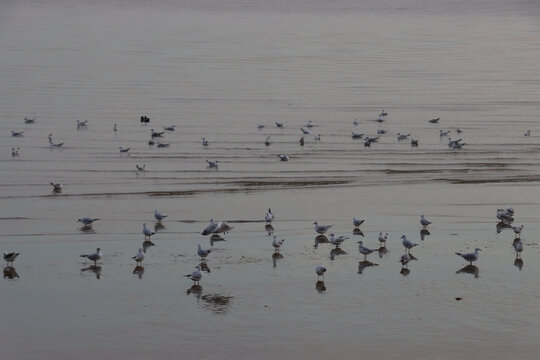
(204, 266)
(518, 262)
(469, 269)
(502, 225)
(215, 238)
(10, 273)
(320, 239)
(336, 252)
(320, 286)
(218, 303)
(357, 231)
(405, 271)
(195, 290)
(275, 257)
(139, 271)
(87, 229)
(382, 251)
(269, 229)
(159, 227)
(364, 264)
(424, 233)
(147, 244)
(96, 269)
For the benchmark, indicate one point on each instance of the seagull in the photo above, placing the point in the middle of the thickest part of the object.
(222, 227)
(277, 243)
(159, 216)
(368, 140)
(202, 252)
(147, 232)
(279, 124)
(321, 229)
(517, 230)
(139, 257)
(383, 238)
(451, 142)
(423, 221)
(317, 137)
(381, 132)
(212, 164)
(269, 217)
(81, 123)
(304, 131)
(355, 122)
(357, 222)
(29, 120)
(364, 250)
(404, 260)
(444, 133)
(407, 244)
(267, 141)
(17, 133)
(380, 118)
(87, 220)
(260, 126)
(151, 142)
(123, 150)
(518, 246)
(58, 187)
(356, 135)
(320, 270)
(337, 240)
(10, 257)
(156, 133)
(162, 144)
(204, 142)
(527, 133)
(95, 257)
(283, 157)
(383, 113)
(414, 142)
(141, 168)
(459, 131)
(210, 228)
(115, 127)
(14, 152)
(434, 121)
(196, 276)
(402, 136)
(470, 257)
(53, 144)
(169, 128)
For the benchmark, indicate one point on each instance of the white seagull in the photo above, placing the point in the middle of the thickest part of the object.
(283, 157)
(159, 216)
(383, 238)
(222, 227)
(95, 257)
(269, 217)
(423, 221)
(357, 222)
(407, 244)
(402, 136)
(202, 252)
(210, 228)
(53, 144)
(517, 230)
(321, 229)
(147, 232)
(364, 250)
(196, 276)
(140, 256)
(470, 257)
(518, 246)
(304, 131)
(277, 243)
(87, 220)
(320, 270)
(204, 142)
(10, 257)
(337, 240)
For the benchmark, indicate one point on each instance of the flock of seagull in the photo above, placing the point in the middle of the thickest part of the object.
(505, 216)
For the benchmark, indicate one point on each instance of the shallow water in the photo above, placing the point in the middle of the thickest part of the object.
(218, 71)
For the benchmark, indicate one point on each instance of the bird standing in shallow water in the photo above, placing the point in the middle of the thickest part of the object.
(407, 244)
(277, 243)
(196, 276)
(95, 257)
(423, 221)
(470, 257)
(269, 217)
(10, 257)
(320, 270)
(139, 257)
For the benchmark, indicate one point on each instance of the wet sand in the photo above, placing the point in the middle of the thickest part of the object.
(111, 65)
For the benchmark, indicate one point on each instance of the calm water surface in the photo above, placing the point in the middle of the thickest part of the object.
(217, 71)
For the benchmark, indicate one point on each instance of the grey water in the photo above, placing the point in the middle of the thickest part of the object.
(218, 70)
